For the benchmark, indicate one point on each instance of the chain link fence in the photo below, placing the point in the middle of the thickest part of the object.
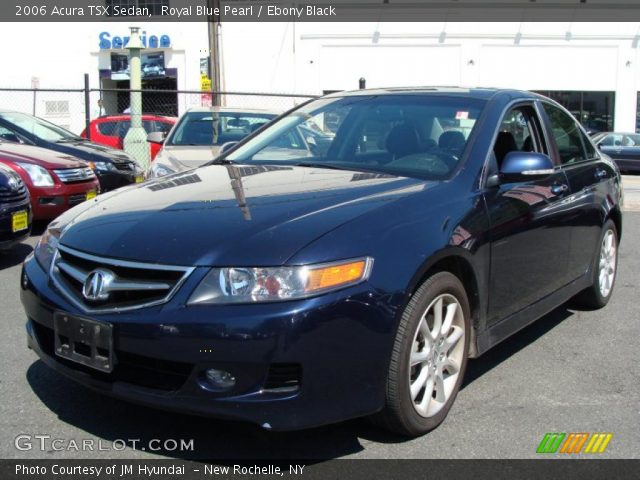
(68, 108)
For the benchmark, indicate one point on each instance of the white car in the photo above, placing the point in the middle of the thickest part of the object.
(200, 134)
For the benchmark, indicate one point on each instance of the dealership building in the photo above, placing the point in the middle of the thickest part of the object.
(591, 68)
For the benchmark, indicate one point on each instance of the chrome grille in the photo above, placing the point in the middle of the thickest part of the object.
(13, 196)
(131, 285)
(76, 199)
(73, 175)
(126, 166)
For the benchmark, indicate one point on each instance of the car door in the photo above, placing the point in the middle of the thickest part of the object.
(529, 233)
(588, 175)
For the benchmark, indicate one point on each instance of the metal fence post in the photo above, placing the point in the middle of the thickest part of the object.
(87, 106)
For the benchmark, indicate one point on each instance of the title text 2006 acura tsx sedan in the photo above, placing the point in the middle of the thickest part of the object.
(298, 291)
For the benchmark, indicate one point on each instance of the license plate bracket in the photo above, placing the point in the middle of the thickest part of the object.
(19, 221)
(84, 340)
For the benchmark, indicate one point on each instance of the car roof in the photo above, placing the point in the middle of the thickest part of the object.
(473, 92)
(234, 110)
(145, 116)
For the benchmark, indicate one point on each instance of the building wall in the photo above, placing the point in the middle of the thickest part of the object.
(315, 57)
(310, 58)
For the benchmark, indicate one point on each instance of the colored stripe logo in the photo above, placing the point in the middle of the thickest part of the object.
(574, 443)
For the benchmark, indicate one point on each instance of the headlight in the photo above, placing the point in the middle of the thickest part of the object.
(102, 166)
(46, 247)
(158, 170)
(39, 176)
(250, 285)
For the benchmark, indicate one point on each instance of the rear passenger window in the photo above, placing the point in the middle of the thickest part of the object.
(107, 128)
(588, 146)
(567, 134)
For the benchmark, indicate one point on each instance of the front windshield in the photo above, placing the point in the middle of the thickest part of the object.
(419, 135)
(216, 128)
(39, 127)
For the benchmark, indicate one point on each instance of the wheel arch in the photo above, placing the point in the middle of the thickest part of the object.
(458, 263)
(615, 214)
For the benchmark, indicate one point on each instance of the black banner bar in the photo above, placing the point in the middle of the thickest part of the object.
(320, 11)
(564, 469)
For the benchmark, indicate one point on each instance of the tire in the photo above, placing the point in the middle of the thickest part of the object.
(440, 362)
(594, 296)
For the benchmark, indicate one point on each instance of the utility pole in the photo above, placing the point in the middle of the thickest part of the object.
(135, 141)
(214, 50)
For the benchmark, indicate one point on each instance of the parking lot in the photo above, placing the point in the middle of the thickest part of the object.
(572, 371)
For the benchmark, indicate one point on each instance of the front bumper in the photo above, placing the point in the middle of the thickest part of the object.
(8, 238)
(337, 345)
(49, 202)
(110, 180)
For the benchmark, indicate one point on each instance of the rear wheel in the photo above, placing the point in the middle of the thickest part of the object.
(605, 266)
(429, 357)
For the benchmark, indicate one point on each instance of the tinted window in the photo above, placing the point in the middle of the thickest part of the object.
(162, 126)
(567, 135)
(107, 128)
(410, 135)
(125, 125)
(216, 128)
(588, 145)
(39, 127)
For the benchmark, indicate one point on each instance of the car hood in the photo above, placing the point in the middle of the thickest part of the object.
(92, 151)
(181, 158)
(48, 159)
(228, 215)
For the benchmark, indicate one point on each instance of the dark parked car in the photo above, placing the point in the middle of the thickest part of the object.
(114, 168)
(623, 148)
(298, 292)
(15, 209)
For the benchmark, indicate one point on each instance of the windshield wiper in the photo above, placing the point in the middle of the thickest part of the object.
(221, 161)
(319, 165)
(71, 140)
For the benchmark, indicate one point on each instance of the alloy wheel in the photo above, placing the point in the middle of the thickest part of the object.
(436, 355)
(607, 265)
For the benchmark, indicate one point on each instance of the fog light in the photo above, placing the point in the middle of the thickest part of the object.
(218, 379)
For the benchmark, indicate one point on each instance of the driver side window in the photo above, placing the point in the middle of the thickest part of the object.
(519, 131)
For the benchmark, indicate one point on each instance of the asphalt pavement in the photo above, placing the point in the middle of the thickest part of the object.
(571, 371)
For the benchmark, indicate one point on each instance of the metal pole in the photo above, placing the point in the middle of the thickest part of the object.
(135, 141)
(214, 51)
(87, 106)
(34, 101)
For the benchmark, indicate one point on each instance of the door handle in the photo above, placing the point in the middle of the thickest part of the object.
(559, 188)
(600, 173)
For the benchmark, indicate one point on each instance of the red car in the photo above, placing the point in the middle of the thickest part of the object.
(110, 129)
(56, 181)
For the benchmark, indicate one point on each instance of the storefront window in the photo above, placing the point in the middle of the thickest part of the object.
(594, 110)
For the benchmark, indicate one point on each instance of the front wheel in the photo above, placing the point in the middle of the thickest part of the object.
(429, 357)
(605, 266)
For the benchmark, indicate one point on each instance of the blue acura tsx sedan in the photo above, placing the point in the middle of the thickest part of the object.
(293, 285)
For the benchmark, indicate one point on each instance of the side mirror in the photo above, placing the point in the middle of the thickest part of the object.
(156, 137)
(600, 145)
(525, 166)
(227, 146)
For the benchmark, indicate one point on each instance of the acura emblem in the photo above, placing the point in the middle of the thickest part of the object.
(96, 286)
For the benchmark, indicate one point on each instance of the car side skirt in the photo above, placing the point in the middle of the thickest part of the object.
(519, 320)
